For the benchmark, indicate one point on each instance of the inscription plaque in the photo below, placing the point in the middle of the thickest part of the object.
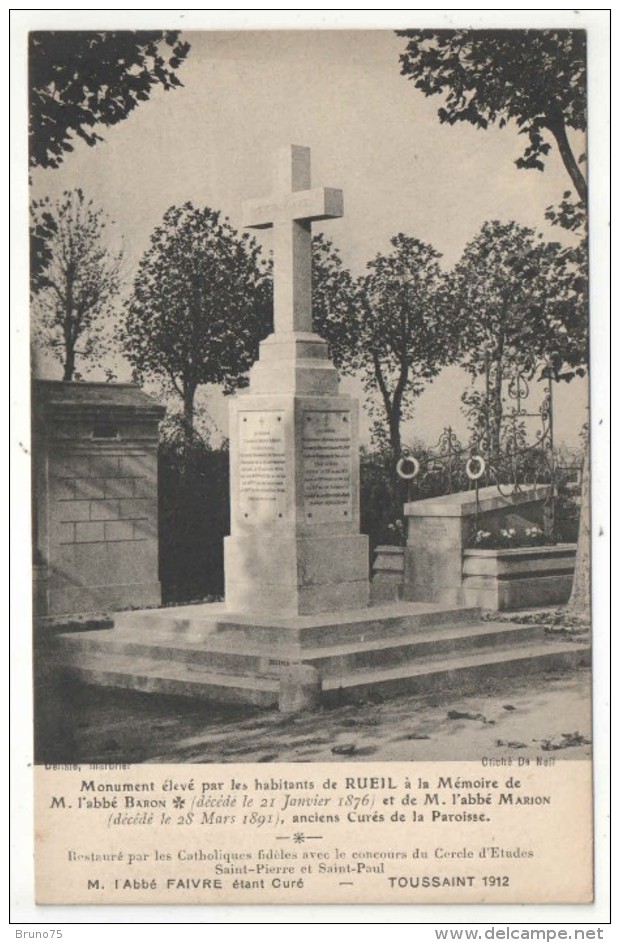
(327, 464)
(262, 466)
(429, 529)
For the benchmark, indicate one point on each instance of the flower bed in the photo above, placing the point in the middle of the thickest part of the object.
(509, 538)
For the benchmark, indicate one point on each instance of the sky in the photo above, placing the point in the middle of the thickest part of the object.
(372, 134)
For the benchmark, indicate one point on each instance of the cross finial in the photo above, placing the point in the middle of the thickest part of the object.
(290, 211)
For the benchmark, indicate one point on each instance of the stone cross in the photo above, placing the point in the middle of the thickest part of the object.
(290, 211)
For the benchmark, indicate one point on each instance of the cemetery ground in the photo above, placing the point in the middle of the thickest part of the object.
(542, 717)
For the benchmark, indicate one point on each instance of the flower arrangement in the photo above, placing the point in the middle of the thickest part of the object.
(535, 536)
(482, 538)
(396, 533)
(508, 537)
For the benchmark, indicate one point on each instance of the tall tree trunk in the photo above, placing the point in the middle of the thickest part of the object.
(394, 427)
(393, 406)
(580, 599)
(69, 329)
(69, 364)
(392, 409)
(402, 486)
(189, 393)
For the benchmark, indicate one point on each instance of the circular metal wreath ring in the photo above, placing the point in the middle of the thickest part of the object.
(401, 466)
(480, 462)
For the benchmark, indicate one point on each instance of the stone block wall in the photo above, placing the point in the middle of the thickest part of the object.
(95, 449)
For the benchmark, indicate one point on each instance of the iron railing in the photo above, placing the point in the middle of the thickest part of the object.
(505, 455)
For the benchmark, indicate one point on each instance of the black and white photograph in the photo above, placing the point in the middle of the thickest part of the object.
(311, 436)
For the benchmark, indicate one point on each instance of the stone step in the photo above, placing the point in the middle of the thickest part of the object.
(229, 654)
(225, 655)
(462, 672)
(178, 680)
(203, 652)
(421, 646)
(376, 622)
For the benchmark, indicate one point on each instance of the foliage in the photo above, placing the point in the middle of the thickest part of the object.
(389, 326)
(404, 339)
(335, 302)
(200, 305)
(43, 229)
(79, 79)
(555, 621)
(172, 428)
(536, 78)
(569, 215)
(75, 279)
(569, 354)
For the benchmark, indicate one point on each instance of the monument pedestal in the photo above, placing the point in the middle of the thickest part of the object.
(295, 546)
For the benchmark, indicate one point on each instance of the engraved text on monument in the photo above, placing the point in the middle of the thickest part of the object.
(262, 465)
(327, 463)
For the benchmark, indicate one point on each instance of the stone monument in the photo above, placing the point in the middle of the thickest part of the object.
(295, 546)
(296, 628)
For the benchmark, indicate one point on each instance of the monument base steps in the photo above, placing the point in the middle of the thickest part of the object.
(206, 653)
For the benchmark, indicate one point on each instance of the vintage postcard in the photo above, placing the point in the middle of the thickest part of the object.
(312, 466)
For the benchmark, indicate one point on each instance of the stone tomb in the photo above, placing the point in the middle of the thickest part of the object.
(439, 567)
(295, 546)
(95, 497)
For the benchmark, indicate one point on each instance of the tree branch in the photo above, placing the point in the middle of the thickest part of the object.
(558, 129)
